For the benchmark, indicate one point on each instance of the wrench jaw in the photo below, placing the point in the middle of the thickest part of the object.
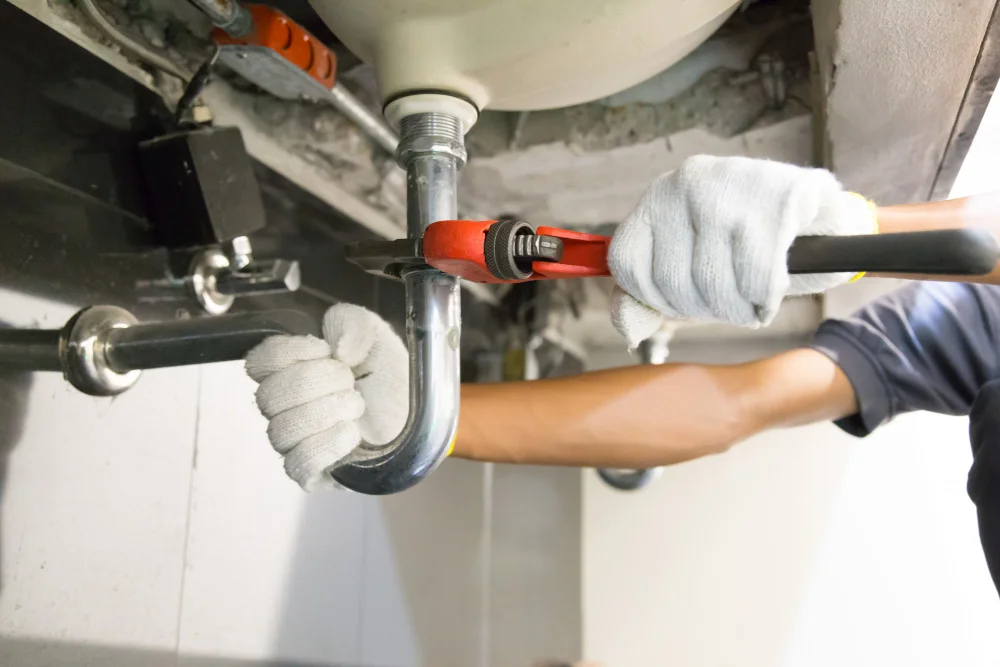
(488, 251)
(386, 258)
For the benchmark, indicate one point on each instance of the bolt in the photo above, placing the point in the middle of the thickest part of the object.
(238, 252)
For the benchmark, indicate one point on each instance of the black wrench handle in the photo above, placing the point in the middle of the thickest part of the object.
(949, 252)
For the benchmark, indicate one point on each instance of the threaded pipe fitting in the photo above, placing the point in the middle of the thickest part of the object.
(431, 125)
(430, 133)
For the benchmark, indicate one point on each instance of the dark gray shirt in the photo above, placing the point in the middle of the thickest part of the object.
(936, 347)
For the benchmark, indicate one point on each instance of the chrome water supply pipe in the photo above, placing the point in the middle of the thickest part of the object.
(432, 150)
(229, 15)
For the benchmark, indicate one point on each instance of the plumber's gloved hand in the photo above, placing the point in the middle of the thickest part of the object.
(324, 397)
(708, 242)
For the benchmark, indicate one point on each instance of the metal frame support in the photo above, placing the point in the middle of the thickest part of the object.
(432, 150)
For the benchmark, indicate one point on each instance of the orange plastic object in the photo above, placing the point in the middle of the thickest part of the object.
(275, 31)
(584, 255)
(457, 248)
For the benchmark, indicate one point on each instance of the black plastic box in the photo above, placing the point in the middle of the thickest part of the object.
(201, 187)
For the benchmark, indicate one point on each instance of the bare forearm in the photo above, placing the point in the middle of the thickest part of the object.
(645, 416)
(978, 211)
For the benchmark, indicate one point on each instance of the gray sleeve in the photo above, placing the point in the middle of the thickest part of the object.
(928, 346)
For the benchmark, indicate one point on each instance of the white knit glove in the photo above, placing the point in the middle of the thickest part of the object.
(324, 397)
(708, 242)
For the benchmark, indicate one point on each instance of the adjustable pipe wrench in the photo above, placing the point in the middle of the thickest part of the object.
(511, 251)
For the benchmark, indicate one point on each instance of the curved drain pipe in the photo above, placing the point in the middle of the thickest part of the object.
(654, 352)
(432, 150)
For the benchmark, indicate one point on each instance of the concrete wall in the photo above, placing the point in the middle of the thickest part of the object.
(557, 184)
(893, 76)
(157, 528)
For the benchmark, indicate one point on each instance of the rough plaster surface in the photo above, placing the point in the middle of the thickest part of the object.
(717, 88)
(732, 50)
(306, 145)
(895, 74)
(720, 103)
(560, 184)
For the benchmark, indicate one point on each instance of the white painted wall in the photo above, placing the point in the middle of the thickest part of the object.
(799, 547)
(94, 508)
(803, 546)
(158, 528)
